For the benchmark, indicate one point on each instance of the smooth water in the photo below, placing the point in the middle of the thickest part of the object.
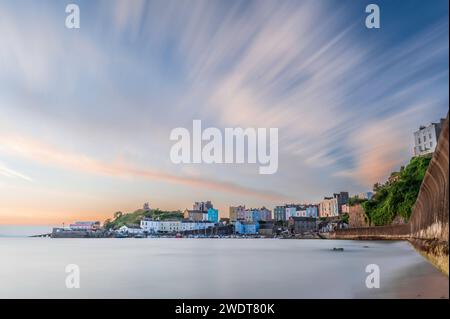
(24, 230)
(214, 268)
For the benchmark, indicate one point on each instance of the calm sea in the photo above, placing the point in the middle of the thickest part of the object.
(214, 268)
(24, 230)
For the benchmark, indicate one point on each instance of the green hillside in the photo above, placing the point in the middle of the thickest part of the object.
(135, 217)
(397, 196)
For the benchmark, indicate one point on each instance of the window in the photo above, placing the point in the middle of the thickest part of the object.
(419, 140)
(431, 144)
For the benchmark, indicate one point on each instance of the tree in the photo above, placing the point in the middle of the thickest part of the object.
(397, 197)
(345, 218)
(376, 186)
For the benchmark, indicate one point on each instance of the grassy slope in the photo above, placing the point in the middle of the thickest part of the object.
(397, 198)
(135, 217)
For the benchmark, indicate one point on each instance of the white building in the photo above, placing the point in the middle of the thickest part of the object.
(85, 226)
(171, 226)
(192, 225)
(160, 226)
(364, 195)
(131, 230)
(425, 139)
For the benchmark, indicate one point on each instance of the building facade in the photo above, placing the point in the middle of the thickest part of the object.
(280, 213)
(365, 195)
(345, 209)
(243, 214)
(253, 214)
(191, 225)
(328, 207)
(426, 137)
(342, 199)
(291, 211)
(202, 211)
(131, 230)
(301, 211)
(213, 215)
(195, 215)
(202, 206)
(298, 225)
(85, 226)
(236, 211)
(312, 211)
(266, 228)
(246, 228)
(171, 226)
(260, 214)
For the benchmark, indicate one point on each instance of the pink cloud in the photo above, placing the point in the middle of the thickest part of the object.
(43, 153)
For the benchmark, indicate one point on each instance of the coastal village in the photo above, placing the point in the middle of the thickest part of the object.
(285, 221)
(295, 220)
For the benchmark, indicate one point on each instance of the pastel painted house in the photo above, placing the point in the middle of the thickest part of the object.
(312, 211)
(280, 213)
(291, 211)
(213, 215)
(246, 228)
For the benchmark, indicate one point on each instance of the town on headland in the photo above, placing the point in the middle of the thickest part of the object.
(389, 203)
(286, 221)
(412, 205)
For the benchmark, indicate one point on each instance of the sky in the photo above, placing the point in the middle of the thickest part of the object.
(86, 114)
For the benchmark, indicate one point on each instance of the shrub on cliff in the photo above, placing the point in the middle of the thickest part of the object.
(397, 196)
(345, 218)
(352, 201)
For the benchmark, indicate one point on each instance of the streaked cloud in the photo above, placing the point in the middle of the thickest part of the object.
(44, 153)
(8, 172)
(101, 100)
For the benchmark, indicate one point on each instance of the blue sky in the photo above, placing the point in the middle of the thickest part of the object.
(86, 114)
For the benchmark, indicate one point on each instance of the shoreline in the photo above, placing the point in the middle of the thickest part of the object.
(436, 253)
